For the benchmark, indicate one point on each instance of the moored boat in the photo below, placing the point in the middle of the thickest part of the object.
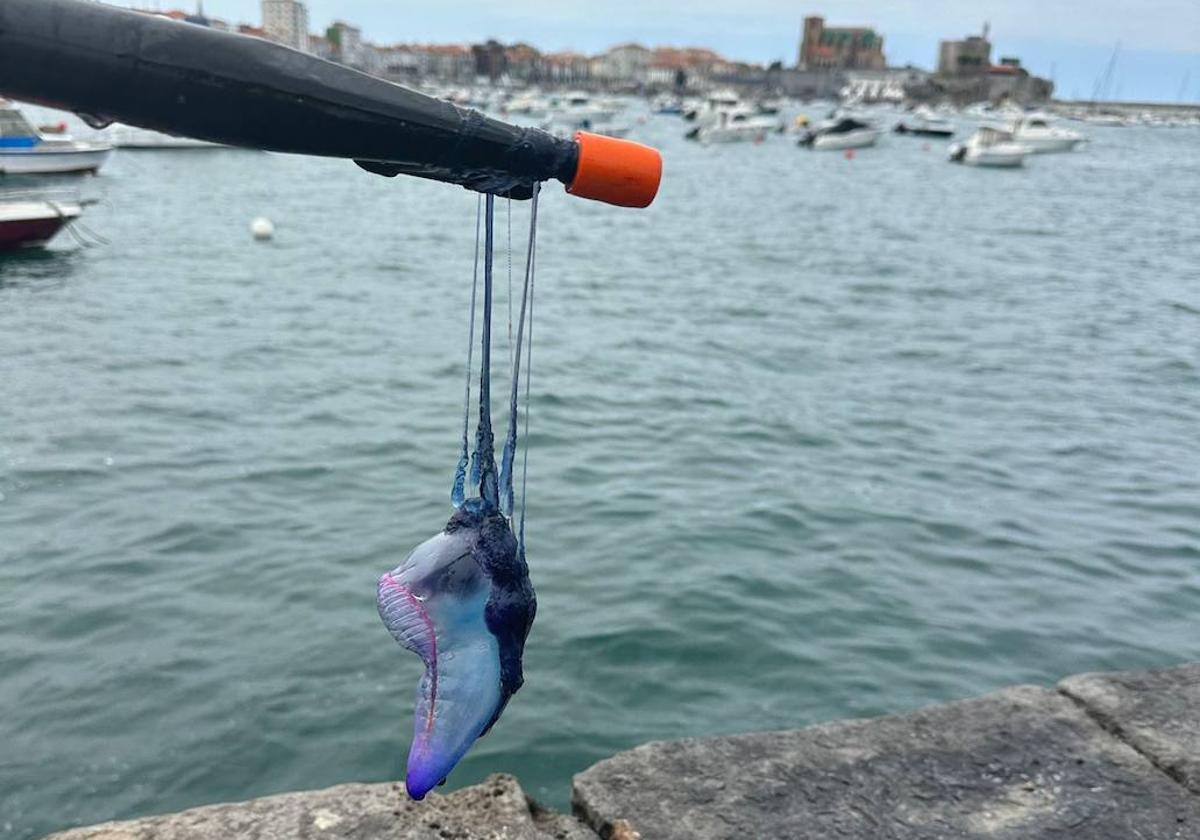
(843, 133)
(716, 103)
(529, 104)
(671, 105)
(1106, 119)
(1039, 135)
(31, 223)
(565, 128)
(925, 123)
(578, 105)
(990, 146)
(26, 151)
(739, 125)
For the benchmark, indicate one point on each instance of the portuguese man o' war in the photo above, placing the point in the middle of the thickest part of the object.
(462, 600)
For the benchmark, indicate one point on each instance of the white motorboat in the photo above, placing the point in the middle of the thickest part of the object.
(842, 133)
(529, 104)
(577, 105)
(736, 126)
(672, 105)
(990, 146)
(567, 127)
(1105, 119)
(716, 103)
(925, 123)
(132, 137)
(1004, 112)
(1039, 135)
(26, 151)
(30, 223)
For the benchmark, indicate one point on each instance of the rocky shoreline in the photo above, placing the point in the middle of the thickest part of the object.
(1099, 756)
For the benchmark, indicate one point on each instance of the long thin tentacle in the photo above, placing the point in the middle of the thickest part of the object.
(457, 492)
(510, 443)
(528, 378)
(484, 438)
(508, 251)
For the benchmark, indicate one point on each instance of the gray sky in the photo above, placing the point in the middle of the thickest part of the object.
(1160, 39)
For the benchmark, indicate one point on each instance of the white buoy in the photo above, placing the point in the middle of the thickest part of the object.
(262, 229)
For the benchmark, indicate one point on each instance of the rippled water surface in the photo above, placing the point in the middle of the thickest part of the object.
(812, 438)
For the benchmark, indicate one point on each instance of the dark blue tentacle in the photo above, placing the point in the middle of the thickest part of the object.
(484, 438)
(528, 374)
(458, 490)
(510, 444)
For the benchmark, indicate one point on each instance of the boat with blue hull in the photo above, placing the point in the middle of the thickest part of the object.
(24, 150)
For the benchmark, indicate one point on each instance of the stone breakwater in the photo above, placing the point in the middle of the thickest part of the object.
(1100, 756)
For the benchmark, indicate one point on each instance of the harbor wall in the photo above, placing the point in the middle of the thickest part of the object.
(1129, 108)
(1099, 756)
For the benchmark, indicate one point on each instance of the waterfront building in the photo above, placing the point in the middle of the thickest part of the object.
(453, 62)
(624, 64)
(1009, 80)
(569, 68)
(424, 62)
(286, 21)
(319, 46)
(683, 67)
(523, 63)
(840, 48)
(198, 17)
(972, 56)
(415, 63)
(491, 59)
(345, 43)
(966, 74)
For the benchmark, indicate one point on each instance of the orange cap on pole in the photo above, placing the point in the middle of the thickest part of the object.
(616, 171)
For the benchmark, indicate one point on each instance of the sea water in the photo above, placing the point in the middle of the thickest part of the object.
(812, 438)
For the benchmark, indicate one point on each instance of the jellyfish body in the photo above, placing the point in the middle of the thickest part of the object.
(462, 601)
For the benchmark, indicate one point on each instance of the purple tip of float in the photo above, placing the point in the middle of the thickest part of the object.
(417, 787)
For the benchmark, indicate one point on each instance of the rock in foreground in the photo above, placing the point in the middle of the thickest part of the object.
(1106, 757)
(496, 809)
(1023, 764)
(1155, 712)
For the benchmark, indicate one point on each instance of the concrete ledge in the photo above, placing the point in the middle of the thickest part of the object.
(1155, 712)
(1105, 757)
(1021, 764)
(496, 809)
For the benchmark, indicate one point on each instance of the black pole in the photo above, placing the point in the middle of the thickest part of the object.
(117, 65)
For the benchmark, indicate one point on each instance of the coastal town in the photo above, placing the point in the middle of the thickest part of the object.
(830, 60)
(839, 94)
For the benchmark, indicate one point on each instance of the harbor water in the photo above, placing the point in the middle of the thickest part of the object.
(813, 437)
